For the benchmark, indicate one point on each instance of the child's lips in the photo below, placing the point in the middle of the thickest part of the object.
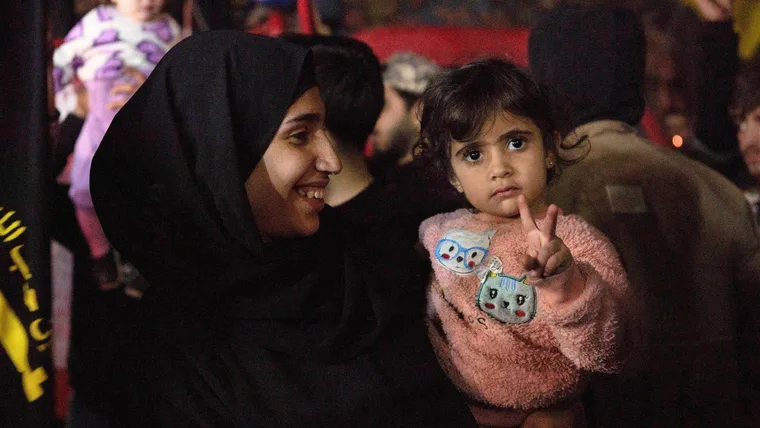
(506, 192)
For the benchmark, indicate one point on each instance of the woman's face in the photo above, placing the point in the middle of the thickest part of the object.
(286, 190)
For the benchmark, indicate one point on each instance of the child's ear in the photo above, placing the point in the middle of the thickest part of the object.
(551, 157)
(550, 161)
(455, 182)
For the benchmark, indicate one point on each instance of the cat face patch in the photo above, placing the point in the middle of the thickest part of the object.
(507, 299)
(460, 251)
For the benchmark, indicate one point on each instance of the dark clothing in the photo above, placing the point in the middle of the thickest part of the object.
(686, 238)
(418, 197)
(67, 136)
(713, 64)
(310, 331)
(590, 81)
(91, 309)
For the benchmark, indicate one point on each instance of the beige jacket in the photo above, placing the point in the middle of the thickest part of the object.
(691, 249)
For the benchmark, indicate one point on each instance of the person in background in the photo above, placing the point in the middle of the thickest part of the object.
(263, 310)
(525, 303)
(405, 77)
(397, 130)
(101, 46)
(685, 234)
(746, 113)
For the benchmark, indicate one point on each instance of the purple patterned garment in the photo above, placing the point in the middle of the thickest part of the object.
(75, 32)
(111, 69)
(108, 35)
(77, 62)
(152, 51)
(160, 28)
(57, 77)
(104, 13)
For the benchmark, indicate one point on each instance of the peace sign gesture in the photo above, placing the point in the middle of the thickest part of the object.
(547, 255)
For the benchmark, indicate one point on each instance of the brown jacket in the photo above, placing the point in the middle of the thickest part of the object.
(691, 249)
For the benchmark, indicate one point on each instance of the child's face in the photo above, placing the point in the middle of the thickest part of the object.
(506, 160)
(140, 10)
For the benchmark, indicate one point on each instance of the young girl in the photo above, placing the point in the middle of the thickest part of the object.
(101, 50)
(525, 303)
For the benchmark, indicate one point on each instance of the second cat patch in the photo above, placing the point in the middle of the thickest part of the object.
(507, 299)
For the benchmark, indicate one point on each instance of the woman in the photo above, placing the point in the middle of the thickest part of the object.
(262, 311)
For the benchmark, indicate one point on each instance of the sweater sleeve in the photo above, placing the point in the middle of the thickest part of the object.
(68, 56)
(595, 329)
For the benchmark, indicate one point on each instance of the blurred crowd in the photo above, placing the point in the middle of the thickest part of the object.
(655, 129)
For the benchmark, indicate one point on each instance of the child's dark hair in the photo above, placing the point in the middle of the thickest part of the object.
(459, 103)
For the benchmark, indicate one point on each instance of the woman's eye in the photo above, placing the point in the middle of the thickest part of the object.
(300, 137)
(472, 156)
(516, 144)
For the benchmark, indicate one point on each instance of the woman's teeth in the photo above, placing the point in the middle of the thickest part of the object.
(312, 194)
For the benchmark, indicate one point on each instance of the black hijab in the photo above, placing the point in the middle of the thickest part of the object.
(592, 59)
(315, 331)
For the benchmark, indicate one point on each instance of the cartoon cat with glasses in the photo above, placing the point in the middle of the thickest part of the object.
(461, 251)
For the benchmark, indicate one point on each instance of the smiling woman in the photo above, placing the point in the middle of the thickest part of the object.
(293, 173)
(262, 310)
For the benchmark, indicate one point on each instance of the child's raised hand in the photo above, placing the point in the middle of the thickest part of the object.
(547, 255)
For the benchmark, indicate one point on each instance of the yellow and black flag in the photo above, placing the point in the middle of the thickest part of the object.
(26, 392)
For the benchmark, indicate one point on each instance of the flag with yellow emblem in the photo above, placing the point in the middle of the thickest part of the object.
(26, 393)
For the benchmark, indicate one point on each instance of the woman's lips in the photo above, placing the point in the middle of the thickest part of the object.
(313, 195)
(312, 192)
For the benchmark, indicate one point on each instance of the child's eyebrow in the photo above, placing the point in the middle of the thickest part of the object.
(515, 133)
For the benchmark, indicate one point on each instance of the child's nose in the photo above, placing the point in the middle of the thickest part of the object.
(500, 166)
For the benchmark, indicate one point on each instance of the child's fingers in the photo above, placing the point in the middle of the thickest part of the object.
(558, 262)
(531, 267)
(549, 226)
(123, 89)
(115, 104)
(528, 223)
(528, 263)
(134, 74)
(547, 250)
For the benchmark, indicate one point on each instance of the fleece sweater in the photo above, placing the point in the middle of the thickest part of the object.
(533, 364)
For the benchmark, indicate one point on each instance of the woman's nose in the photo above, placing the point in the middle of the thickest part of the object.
(327, 159)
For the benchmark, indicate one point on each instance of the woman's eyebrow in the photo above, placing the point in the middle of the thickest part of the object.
(306, 117)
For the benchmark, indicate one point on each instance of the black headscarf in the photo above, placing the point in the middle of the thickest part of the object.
(315, 331)
(592, 59)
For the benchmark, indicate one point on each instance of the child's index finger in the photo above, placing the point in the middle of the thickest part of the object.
(528, 223)
(549, 226)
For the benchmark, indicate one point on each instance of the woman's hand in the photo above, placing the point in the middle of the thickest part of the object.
(715, 10)
(547, 255)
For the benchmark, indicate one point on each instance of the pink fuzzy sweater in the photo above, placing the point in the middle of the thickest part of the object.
(533, 364)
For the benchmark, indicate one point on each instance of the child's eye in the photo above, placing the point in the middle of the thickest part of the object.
(472, 155)
(516, 144)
